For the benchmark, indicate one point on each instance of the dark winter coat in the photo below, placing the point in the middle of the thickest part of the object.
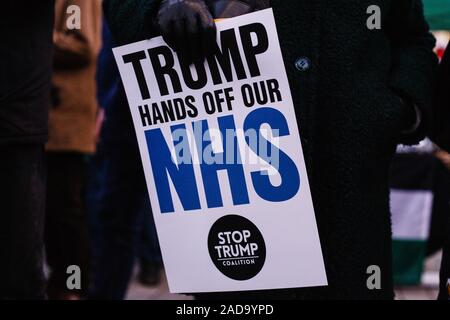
(345, 81)
(441, 130)
(442, 138)
(26, 29)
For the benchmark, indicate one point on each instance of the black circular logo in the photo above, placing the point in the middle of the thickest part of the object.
(236, 247)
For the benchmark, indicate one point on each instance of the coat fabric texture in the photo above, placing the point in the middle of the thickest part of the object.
(441, 132)
(350, 119)
(441, 136)
(25, 70)
(74, 108)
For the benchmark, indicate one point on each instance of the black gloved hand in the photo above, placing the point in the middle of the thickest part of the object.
(188, 28)
(233, 8)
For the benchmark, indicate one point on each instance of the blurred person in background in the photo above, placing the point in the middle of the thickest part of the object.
(121, 220)
(71, 137)
(149, 253)
(441, 134)
(357, 93)
(25, 71)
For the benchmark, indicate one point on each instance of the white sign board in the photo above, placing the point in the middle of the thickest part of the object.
(223, 162)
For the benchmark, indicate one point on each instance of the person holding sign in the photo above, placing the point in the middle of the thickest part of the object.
(360, 78)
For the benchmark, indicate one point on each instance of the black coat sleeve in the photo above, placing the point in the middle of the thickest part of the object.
(441, 129)
(131, 20)
(414, 63)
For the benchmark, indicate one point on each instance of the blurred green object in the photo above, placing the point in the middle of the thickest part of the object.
(408, 261)
(438, 14)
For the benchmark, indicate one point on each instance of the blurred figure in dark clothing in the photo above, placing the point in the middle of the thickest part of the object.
(442, 138)
(71, 137)
(441, 130)
(121, 212)
(26, 63)
(149, 254)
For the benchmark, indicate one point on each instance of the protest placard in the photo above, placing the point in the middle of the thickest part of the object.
(223, 161)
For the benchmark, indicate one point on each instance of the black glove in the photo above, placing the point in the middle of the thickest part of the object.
(188, 28)
(233, 8)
